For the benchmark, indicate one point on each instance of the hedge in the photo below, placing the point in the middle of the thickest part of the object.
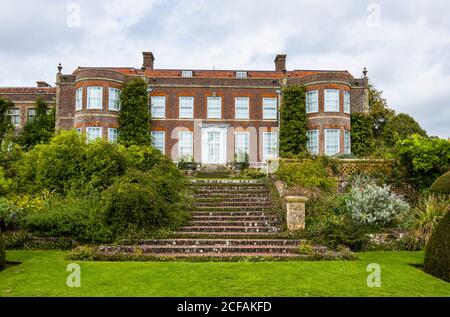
(437, 253)
(442, 184)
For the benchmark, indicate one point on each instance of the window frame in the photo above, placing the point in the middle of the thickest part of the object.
(315, 102)
(208, 106)
(110, 130)
(111, 106)
(88, 129)
(187, 73)
(14, 113)
(153, 106)
(79, 99)
(272, 139)
(89, 98)
(327, 100)
(238, 147)
(236, 106)
(347, 142)
(181, 138)
(191, 113)
(266, 111)
(347, 101)
(310, 145)
(163, 134)
(241, 74)
(326, 140)
(29, 120)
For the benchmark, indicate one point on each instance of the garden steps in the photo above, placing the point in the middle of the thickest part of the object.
(217, 242)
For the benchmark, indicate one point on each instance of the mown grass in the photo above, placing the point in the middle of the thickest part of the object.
(43, 273)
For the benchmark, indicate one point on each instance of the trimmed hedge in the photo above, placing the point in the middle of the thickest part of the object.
(437, 253)
(442, 184)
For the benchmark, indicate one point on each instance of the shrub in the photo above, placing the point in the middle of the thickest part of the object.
(437, 253)
(79, 218)
(442, 184)
(374, 205)
(2, 252)
(9, 214)
(424, 158)
(428, 212)
(140, 202)
(306, 173)
(252, 173)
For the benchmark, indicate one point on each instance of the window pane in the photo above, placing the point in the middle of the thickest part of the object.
(346, 102)
(94, 97)
(241, 74)
(242, 108)
(79, 99)
(158, 140)
(186, 107)
(13, 115)
(114, 99)
(269, 108)
(312, 101)
(270, 140)
(332, 100)
(112, 135)
(158, 108)
(313, 141)
(332, 141)
(93, 133)
(241, 146)
(347, 142)
(31, 115)
(214, 107)
(185, 146)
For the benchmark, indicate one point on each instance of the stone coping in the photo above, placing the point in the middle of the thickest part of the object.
(296, 199)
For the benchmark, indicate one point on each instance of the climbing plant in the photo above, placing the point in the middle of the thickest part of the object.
(5, 123)
(134, 117)
(293, 124)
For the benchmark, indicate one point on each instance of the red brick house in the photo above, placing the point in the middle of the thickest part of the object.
(210, 116)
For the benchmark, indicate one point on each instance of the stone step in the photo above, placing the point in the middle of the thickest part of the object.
(209, 196)
(217, 242)
(215, 223)
(227, 181)
(233, 213)
(226, 235)
(235, 218)
(231, 188)
(234, 209)
(221, 200)
(221, 229)
(233, 204)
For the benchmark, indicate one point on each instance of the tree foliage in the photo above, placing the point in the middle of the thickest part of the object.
(400, 127)
(134, 118)
(293, 124)
(5, 124)
(363, 140)
(40, 129)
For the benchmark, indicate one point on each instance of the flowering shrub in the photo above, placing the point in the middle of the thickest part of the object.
(371, 204)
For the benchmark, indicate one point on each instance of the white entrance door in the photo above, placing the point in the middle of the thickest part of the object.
(214, 145)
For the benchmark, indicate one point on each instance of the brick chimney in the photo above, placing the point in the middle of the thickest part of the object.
(280, 63)
(42, 84)
(148, 60)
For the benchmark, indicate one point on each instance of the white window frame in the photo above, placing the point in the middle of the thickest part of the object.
(241, 107)
(241, 74)
(113, 134)
(332, 149)
(185, 145)
(31, 117)
(270, 108)
(241, 145)
(331, 100)
(113, 99)
(346, 101)
(313, 141)
(94, 101)
(347, 142)
(158, 107)
(312, 101)
(214, 105)
(89, 131)
(162, 139)
(79, 99)
(270, 145)
(186, 107)
(14, 114)
(187, 73)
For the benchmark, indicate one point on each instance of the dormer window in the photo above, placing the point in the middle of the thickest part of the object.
(187, 73)
(241, 75)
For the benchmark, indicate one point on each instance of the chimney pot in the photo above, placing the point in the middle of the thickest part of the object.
(280, 63)
(148, 60)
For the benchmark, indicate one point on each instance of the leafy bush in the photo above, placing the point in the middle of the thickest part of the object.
(428, 212)
(140, 202)
(306, 173)
(9, 214)
(2, 252)
(252, 173)
(424, 158)
(437, 253)
(374, 205)
(79, 218)
(442, 184)
(5, 183)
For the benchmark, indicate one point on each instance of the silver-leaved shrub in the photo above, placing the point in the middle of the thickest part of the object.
(371, 204)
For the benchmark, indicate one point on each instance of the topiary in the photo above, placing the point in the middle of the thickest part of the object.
(442, 184)
(437, 253)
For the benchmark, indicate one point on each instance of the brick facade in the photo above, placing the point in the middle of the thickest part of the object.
(256, 85)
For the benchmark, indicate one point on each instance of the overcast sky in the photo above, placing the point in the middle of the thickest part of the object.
(405, 45)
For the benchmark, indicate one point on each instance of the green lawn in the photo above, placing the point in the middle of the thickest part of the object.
(43, 273)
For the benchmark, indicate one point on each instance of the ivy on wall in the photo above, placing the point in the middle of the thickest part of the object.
(134, 118)
(293, 124)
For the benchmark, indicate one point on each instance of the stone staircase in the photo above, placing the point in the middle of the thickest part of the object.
(231, 219)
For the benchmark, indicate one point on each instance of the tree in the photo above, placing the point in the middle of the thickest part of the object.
(379, 111)
(400, 127)
(134, 118)
(5, 123)
(362, 134)
(40, 129)
(293, 124)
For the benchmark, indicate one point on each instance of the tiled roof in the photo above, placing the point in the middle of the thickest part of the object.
(27, 90)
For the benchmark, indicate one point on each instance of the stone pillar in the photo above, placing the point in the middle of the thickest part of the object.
(295, 212)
